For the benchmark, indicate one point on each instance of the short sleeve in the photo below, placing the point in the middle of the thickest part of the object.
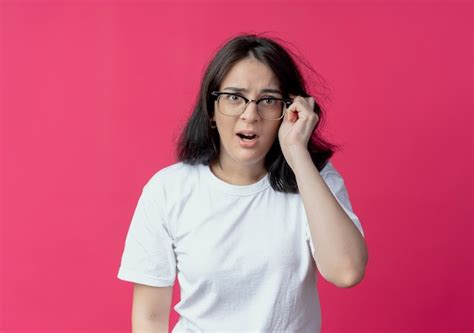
(148, 256)
(335, 182)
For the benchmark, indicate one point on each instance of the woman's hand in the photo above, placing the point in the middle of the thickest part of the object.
(297, 127)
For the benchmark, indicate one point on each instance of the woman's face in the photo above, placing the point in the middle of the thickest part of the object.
(250, 77)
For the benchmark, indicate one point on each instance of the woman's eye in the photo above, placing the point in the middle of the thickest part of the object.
(269, 101)
(233, 98)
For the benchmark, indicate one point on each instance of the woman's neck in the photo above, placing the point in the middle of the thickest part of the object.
(237, 174)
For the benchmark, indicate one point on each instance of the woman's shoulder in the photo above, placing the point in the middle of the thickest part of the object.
(330, 173)
(173, 174)
(328, 167)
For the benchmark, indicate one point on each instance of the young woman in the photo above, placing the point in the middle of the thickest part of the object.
(249, 212)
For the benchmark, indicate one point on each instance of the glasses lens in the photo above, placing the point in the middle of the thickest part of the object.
(234, 105)
(231, 105)
(270, 108)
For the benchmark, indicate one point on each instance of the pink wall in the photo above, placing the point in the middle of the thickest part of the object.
(92, 99)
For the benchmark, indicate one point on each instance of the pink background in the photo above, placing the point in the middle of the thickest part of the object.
(94, 93)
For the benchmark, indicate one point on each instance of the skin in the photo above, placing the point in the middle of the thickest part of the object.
(237, 165)
(340, 251)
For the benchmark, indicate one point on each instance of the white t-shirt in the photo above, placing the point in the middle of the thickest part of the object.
(243, 254)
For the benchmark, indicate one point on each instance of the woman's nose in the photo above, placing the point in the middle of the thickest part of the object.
(251, 111)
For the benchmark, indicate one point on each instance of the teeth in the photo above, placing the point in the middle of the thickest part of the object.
(247, 137)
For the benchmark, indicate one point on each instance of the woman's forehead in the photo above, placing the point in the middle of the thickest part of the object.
(250, 74)
(245, 90)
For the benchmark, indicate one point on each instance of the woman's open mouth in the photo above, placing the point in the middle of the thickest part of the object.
(247, 141)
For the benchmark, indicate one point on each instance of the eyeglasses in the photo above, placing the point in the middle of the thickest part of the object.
(232, 104)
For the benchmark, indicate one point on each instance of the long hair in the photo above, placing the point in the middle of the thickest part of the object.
(200, 144)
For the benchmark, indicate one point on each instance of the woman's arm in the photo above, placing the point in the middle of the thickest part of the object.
(151, 308)
(340, 249)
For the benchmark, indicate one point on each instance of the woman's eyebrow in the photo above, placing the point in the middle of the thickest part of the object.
(267, 90)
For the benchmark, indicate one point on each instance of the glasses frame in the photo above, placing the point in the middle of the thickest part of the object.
(287, 102)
